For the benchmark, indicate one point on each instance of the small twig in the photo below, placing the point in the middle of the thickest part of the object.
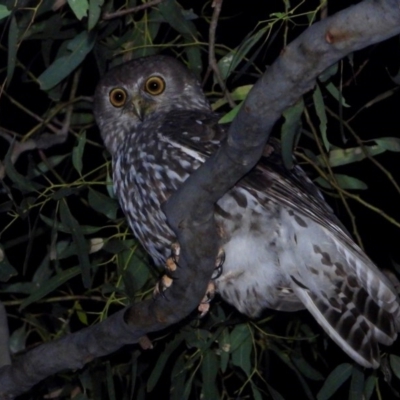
(131, 10)
(212, 61)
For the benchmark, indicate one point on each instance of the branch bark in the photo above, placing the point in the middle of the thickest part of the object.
(190, 209)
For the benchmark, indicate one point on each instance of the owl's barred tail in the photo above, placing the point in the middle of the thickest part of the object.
(354, 319)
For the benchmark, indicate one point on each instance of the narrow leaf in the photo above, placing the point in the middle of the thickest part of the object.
(79, 240)
(79, 7)
(94, 12)
(344, 181)
(320, 109)
(6, 269)
(290, 128)
(4, 11)
(103, 204)
(357, 384)
(51, 285)
(12, 48)
(334, 381)
(78, 48)
(395, 364)
(209, 370)
(162, 360)
(77, 153)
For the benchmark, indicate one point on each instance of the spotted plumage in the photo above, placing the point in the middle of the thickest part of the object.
(284, 248)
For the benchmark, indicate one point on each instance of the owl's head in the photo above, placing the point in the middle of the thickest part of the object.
(133, 92)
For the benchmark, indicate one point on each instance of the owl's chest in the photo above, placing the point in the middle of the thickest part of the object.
(145, 175)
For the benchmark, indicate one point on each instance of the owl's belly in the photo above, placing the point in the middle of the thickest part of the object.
(253, 278)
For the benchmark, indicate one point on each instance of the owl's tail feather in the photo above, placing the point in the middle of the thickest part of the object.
(353, 320)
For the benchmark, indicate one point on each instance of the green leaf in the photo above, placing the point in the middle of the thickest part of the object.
(50, 285)
(344, 181)
(395, 364)
(290, 129)
(79, 240)
(333, 90)
(320, 109)
(256, 393)
(110, 382)
(357, 383)
(225, 347)
(178, 377)
(162, 360)
(239, 334)
(228, 117)
(229, 62)
(4, 11)
(388, 143)
(238, 94)
(306, 369)
(241, 356)
(209, 370)
(79, 7)
(274, 393)
(94, 12)
(135, 274)
(78, 48)
(85, 229)
(12, 48)
(44, 166)
(77, 152)
(6, 269)
(103, 204)
(334, 381)
(369, 386)
(172, 13)
(22, 183)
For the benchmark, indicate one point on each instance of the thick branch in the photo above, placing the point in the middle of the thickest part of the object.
(190, 210)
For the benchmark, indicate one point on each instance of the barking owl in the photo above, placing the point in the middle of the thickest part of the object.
(284, 248)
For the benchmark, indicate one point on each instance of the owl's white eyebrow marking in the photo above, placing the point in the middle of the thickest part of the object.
(183, 149)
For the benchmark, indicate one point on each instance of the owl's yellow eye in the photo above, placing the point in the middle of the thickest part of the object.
(154, 85)
(118, 97)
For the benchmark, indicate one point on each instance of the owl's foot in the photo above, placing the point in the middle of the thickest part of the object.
(172, 264)
(170, 267)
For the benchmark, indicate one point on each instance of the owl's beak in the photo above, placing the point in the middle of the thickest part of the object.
(138, 108)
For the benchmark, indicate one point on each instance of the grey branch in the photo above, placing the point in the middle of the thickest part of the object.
(190, 210)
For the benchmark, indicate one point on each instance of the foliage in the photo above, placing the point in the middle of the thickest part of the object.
(67, 257)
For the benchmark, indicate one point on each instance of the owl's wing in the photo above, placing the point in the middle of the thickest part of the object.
(358, 307)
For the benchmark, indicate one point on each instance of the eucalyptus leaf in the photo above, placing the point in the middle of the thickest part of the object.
(4, 11)
(78, 48)
(50, 285)
(162, 360)
(6, 269)
(344, 181)
(320, 109)
(334, 381)
(12, 48)
(77, 152)
(290, 129)
(79, 7)
(209, 370)
(78, 237)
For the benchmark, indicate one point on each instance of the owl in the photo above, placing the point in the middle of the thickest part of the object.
(284, 248)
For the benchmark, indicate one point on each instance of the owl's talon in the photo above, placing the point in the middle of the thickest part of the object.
(204, 306)
(219, 262)
(162, 285)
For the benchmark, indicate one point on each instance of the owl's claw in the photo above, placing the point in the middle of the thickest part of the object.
(204, 306)
(219, 262)
(172, 264)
